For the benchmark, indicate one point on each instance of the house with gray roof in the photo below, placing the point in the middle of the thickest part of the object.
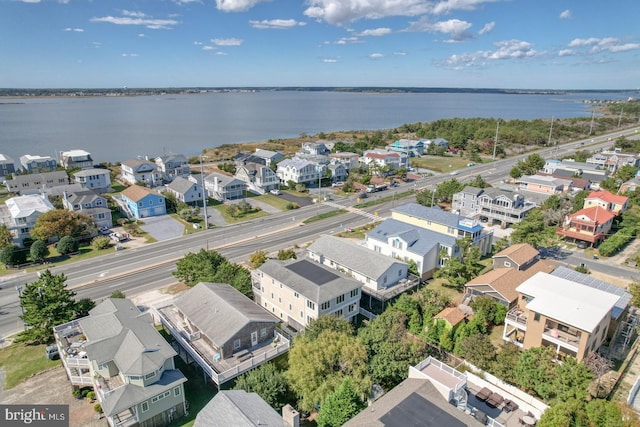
(172, 166)
(7, 166)
(74, 159)
(89, 203)
(20, 214)
(35, 163)
(241, 409)
(117, 350)
(221, 329)
(94, 179)
(258, 177)
(299, 291)
(140, 171)
(185, 191)
(492, 205)
(268, 156)
(35, 183)
(223, 187)
(298, 171)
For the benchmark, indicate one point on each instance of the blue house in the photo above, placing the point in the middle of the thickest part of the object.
(144, 202)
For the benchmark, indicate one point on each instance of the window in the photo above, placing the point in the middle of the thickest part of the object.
(263, 332)
(340, 299)
(507, 264)
(338, 313)
(154, 399)
(355, 292)
(236, 344)
(176, 391)
(352, 308)
(151, 375)
(295, 294)
(325, 305)
(302, 314)
(536, 317)
(145, 406)
(311, 305)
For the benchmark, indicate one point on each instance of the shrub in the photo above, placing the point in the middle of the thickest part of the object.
(98, 408)
(291, 206)
(101, 242)
(67, 245)
(616, 242)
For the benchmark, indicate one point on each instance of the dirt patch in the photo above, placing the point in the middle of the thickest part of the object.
(51, 387)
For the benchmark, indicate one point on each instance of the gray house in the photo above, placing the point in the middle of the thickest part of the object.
(95, 179)
(90, 203)
(258, 177)
(172, 166)
(223, 187)
(36, 182)
(7, 166)
(492, 205)
(185, 191)
(34, 163)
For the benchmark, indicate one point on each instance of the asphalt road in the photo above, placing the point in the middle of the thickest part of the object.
(137, 270)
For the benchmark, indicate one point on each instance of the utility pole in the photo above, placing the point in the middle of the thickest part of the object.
(620, 117)
(204, 195)
(591, 127)
(495, 141)
(550, 130)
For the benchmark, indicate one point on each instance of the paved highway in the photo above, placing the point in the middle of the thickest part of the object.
(141, 269)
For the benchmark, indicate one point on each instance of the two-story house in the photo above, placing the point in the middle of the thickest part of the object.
(138, 171)
(257, 177)
(410, 147)
(314, 149)
(98, 180)
(143, 202)
(268, 157)
(571, 317)
(172, 166)
(338, 172)
(298, 171)
(544, 184)
(492, 205)
(381, 160)
(35, 183)
(76, 159)
(222, 330)
(614, 160)
(299, 291)
(34, 163)
(23, 213)
(590, 225)
(611, 202)
(570, 168)
(223, 187)
(185, 191)
(7, 166)
(89, 203)
(117, 350)
(347, 159)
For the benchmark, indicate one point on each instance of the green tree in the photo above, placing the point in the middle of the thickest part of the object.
(100, 242)
(285, 254)
(321, 360)
(198, 267)
(39, 251)
(258, 258)
(83, 306)
(234, 275)
(5, 236)
(531, 165)
(61, 222)
(446, 190)
(12, 255)
(533, 230)
(460, 271)
(500, 245)
(515, 172)
(478, 350)
(46, 303)
(578, 200)
(426, 198)
(571, 380)
(67, 245)
(340, 406)
(626, 172)
(564, 414)
(479, 182)
(269, 383)
(535, 371)
(603, 413)
(506, 361)
(117, 294)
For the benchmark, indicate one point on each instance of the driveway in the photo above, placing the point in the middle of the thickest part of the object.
(162, 227)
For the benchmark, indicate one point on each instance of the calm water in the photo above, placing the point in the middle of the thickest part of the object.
(115, 129)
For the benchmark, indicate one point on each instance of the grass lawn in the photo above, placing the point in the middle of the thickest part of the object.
(440, 164)
(19, 361)
(440, 285)
(379, 200)
(232, 220)
(358, 233)
(324, 216)
(274, 201)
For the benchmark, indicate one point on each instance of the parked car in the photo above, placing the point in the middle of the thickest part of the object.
(276, 192)
(51, 351)
(337, 184)
(581, 244)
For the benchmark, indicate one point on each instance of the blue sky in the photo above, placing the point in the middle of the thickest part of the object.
(528, 44)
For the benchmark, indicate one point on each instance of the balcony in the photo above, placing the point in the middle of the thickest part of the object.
(106, 386)
(519, 317)
(125, 418)
(570, 338)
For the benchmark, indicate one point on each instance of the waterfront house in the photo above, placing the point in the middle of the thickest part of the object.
(98, 180)
(298, 171)
(22, 213)
(138, 171)
(35, 163)
(117, 350)
(381, 161)
(347, 159)
(268, 156)
(410, 147)
(257, 177)
(185, 191)
(7, 166)
(89, 203)
(299, 291)
(172, 166)
(224, 331)
(76, 159)
(143, 202)
(590, 225)
(223, 187)
(314, 149)
(35, 183)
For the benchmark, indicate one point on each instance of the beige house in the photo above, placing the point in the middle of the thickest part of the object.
(611, 202)
(299, 291)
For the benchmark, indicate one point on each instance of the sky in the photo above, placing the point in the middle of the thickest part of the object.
(505, 44)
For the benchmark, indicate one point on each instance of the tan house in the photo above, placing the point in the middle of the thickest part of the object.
(544, 184)
(611, 202)
(571, 317)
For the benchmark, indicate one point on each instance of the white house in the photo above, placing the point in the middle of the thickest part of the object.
(298, 171)
(23, 213)
(98, 180)
(76, 159)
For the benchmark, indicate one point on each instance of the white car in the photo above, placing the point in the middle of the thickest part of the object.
(276, 192)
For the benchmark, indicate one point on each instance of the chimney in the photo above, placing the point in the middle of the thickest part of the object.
(291, 416)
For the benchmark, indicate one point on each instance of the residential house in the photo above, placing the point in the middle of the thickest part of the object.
(143, 202)
(631, 185)
(315, 149)
(257, 177)
(347, 159)
(611, 202)
(298, 171)
(588, 225)
(76, 159)
(117, 350)
(238, 408)
(268, 156)
(382, 161)
(437, 395)
(614, 160)
(222, 330)
(450, 318)
(185, 191)
(338, 172)
(172, 166)
(576, 183)
(492, 205)
(89, 203)
(98, 180)
(410, 147)
(519, 257)
(31, 163)
(35, 183)
(568, 316)
(223, 187)
(299, 291)
(7, 166)
(138, 171)
(570, 168)
(435, 143)
(544, 184)
(22, 213)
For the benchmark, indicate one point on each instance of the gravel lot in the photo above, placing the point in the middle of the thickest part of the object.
(52, 387)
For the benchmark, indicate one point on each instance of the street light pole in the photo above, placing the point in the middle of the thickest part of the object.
(495, 141)
(19, 289)
(204, 195)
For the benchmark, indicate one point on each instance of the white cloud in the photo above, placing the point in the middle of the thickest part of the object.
(376, 56)
(222, 53)
(209, 48)
(566, 52)
(141, 35)
(227, 42)
(197, 43)
(30, 1)
(186, 1)
(329, 60)
(400, 53)
(348, 40)
(236, 5)
(566, 14)
(339, 12)
(97, 45)
(488, 27)
(276, 24)
(137, 18)
(607, 44)
(453, 5)
(505, 50)
(130, 55)
(454, 28)
(75, 30)
(376, 32)
(133, 14)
